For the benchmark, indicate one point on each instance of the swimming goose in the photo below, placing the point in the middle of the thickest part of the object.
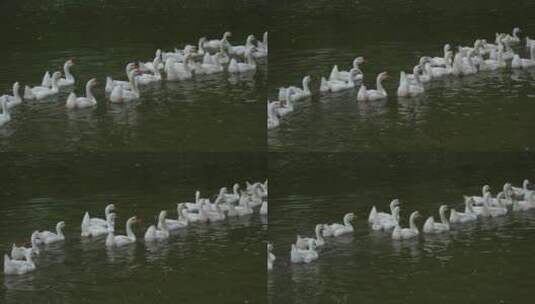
(19, 253)
(338, 85)
(263, 45)
(442, 61)
(302, 243)
(240, 50)
(95, 221)
(131, 70)
(344, 75)
(100, 230)
(521, 63)
(375, 216)
(62, 82)
(15, 99)
(48, 237)
(5, 117)
(525, 192)
(215, 44)
(122, 240)
(216, 215)
(409, 90)
(242, 67)
(210, 68)
(153, 76)
(273, 116)
(178, 71)
(14, 267)
(407, 233)
(287, 102)
(489, 211)
(242, 210)
(158, 232)
(304, 255)
(529, 42)
(41, 92)
(180, 222)
(431, 226)
(440, 71)
(89, 100)
(270, 257)
(462, 217)
(233, 197)
(371, 95)
(297, 93)
(387, 223)
(513, 39)
(149, 65)
(121, 94)
(195, 217)
(337, 229)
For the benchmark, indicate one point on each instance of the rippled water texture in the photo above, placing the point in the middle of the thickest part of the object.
(210, 113)
(201, 264)
(489, 111)
(489, 261)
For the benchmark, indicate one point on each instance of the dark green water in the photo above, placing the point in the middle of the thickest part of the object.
(489, 261)
(210, 113)
(484, 112)
(209, 263)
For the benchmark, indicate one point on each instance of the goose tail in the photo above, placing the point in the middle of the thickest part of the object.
(373, 214)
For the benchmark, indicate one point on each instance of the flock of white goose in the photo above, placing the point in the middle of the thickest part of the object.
(483, 56)
(208, 57)
(238, 203)
(511, 198)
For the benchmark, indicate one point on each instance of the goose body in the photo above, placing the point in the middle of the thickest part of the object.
(180, 222)
(121, 94)
(408, 90)
(15, 99)
(89, 100)
(371, 95)
(463, 217)
(337, 229)
(158, 232)
(100, 230)
(387, 222)
(131, 71)
(378, 216)
(243, 67)
(16, 267)
(41, 92)
(19, 253)
(407, 233)
(273, 116)
(304, 255)
(178, 71)
(195, 217)
(113, 240)
(48, 237)
(354, 72)
(303, 243)
(264, 208)
(5, 116)
(430, 226)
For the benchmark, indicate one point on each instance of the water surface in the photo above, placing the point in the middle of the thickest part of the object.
(488, 261)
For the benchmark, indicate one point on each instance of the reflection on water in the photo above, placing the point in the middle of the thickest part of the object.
(205, 262)
(370, 267)
(487, 111)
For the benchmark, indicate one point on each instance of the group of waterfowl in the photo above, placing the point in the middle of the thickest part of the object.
(238, 203)
(208, 57)
(482, 56)
(511, 198)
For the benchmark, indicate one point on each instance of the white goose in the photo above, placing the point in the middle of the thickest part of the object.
(240, 50)
(270, 257)
(431, 226)
(338, 85)
(264, 208)
(242, 210)
(371, 95)
(48, 237)
(523, 205)
(488, 211)
(100, 230)
(121, 94)
(149, 66)
(5, 117)
(89, 100)
(243, 67)
(407, 233)
(15, 99)
(287, 102)
(69, 79)
(344, 75)
(521, 63)
(178, 71)
(440, 71)
(462, 217)
(512, 39)
(95, 221)
(233, 197)
(337, 229)
(158, 232)
(529, 42)
(131, 69)
(304, 255)
(273, 116)
(215, 44)
(122, 240)
(524, 192)
(180, 222)
(14, 267)
(303, 243)
(387, 223)
(195, 217)
(297, 93)
(442, 61)
(263, 45)
(153, 76)
(405, 89)
(19, 253)
(378, 216)
(41, 92)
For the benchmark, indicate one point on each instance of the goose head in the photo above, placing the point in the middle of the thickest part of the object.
(382, 76)
(16, 87)
(525, 184)
(269, 247)
(56, 76)
(485, 189)
(33, 238)
(227, 35)
(60, 226)
(357, 61)
(348, 218)
(69, 63)
(516, 30)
